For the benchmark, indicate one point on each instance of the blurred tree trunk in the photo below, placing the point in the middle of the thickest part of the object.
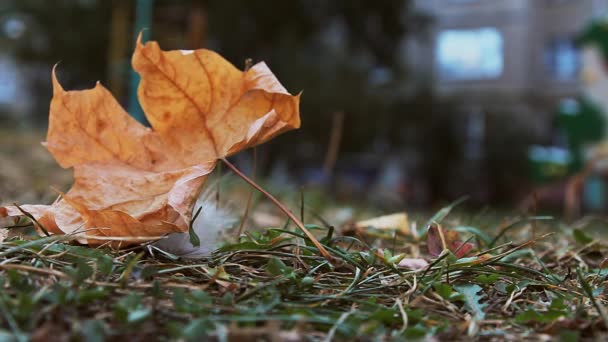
(120, 33)
(197, 26)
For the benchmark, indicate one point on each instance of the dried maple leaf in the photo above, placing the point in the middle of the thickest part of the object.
(136, 183)
(438, 239)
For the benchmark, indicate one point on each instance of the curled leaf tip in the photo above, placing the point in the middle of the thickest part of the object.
(140, 36)
(56, 85)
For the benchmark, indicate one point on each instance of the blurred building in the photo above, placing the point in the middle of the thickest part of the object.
(506, 66)
(516, 55)
(13, 95)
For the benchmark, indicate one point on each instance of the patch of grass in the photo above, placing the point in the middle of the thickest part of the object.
(273, 285)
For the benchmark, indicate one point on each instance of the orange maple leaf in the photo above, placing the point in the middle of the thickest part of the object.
(133, 183)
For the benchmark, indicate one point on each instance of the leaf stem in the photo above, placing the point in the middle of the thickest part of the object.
(282, 207)
(31, 217)
(249, 197)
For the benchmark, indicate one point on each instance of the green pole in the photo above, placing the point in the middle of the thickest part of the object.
(143, 24)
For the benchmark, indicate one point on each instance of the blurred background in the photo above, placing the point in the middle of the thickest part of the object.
(405, 103)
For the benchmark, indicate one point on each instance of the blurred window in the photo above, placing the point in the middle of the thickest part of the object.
(470, 54)
(8, 85)
(562, 60)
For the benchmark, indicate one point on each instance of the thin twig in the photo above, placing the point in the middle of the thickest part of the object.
(219, 183)
(282, 207)
(250, 196)
(334, 143)
(332, 331)
(31, 217)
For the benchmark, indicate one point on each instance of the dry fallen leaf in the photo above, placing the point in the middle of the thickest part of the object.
(131, 181)
(439, 239)
(396, 221)
(413, 263)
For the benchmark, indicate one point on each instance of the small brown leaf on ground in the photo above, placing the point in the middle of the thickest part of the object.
(439, 239)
